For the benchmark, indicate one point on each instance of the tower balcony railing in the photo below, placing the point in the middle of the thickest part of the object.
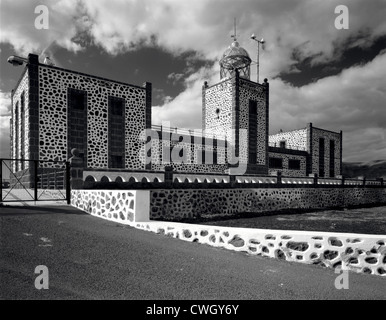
(287, 147)
(190, 132)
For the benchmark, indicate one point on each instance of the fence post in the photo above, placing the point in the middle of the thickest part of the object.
(1, 181)
(68, 183)
(36, 179)
(232, 180)
(278, 175)
(315, 176)
(76, 170)
(168, 175)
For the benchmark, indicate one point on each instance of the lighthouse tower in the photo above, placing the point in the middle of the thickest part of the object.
(237, 108)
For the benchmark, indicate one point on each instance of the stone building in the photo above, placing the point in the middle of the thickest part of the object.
(55, 110)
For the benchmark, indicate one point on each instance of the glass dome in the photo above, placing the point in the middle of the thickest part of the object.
(235, 58)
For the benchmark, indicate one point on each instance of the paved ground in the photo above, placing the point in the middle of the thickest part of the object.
(91, 258)
(360, 220)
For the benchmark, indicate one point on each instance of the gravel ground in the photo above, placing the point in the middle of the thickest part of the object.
(363, 220)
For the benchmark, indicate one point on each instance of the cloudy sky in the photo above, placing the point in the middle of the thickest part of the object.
(334, 78)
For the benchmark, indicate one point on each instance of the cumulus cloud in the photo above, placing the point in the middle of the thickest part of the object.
(66, 21)
(352, 101)
(293, 29)
(175, 77)
(185, 110)
(204, 26)
(304, 26)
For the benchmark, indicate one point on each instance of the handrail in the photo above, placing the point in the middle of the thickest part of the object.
(21, 160)
(285, 179)
(288, 147)
(197, 132)
(190, 132)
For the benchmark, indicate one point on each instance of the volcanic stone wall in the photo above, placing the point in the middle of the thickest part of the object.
(53, 116)
(191, 148)
(296, 139)
(251, 91)
(218, 107)
(356, 252)
(337, 154)
(227, 111)
(178, 204)
(286, 170)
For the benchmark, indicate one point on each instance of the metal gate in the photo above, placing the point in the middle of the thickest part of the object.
(34, 180)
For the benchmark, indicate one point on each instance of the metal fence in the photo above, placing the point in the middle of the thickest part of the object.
(34, 180)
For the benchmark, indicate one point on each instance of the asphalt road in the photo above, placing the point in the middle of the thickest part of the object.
(91, 258)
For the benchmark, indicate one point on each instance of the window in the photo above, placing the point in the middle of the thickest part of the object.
(77, 99)
(282, 144)
(252, 132)
(77, 122)
(252, 158)
(116, 161)
(81, 155)
(293, 164)
(332, 158)
(207, 157)
(116, 133)
(116, 106)
(215, 159)
(252, 107)
(218, 113)
(203, 156)
(276, 163)
(22, 128)
(321, 157)
(22, 102)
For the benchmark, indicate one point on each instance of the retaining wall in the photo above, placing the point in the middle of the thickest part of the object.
(179, 204)
(356, 252)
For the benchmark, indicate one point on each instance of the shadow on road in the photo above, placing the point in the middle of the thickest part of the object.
(6, 210)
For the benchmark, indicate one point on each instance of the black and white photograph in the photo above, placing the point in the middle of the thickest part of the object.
(193, 158)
